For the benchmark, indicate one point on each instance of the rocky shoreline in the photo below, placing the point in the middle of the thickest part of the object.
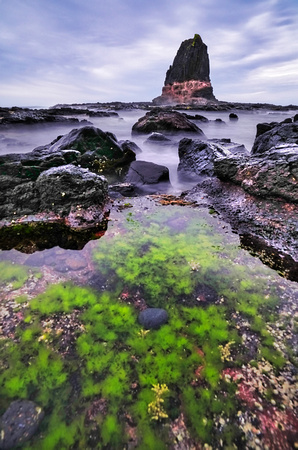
(256, 193)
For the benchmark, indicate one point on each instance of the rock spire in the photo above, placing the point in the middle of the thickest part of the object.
(187, 79)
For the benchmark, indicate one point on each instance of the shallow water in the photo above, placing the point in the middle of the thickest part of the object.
(71, 342)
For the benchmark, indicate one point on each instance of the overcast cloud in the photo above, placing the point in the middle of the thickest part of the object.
(66, 51)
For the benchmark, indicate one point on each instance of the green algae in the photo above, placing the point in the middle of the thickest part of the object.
(15, 274)
(164, 257)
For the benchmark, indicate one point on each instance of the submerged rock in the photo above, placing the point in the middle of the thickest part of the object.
(163, 120)
(158, 138)
(153, 318)
(19, 423)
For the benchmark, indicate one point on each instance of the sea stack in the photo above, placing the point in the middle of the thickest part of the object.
(187, 79)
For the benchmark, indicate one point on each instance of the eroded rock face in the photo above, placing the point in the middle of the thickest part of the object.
(273, 135)
(197, 157)
(187, 80)
(162, 120)
(272, 169)
(274, 173)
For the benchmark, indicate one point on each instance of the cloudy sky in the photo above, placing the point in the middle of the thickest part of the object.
(65, 51)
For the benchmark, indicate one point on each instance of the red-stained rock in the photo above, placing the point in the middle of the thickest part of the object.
(187, 79)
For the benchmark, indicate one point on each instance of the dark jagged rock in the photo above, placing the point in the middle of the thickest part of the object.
(272, 169)
(147, 175)
(26, 179)
(153, 318)
(163, 120)
(187, 80)
(274, 173)
(258, 195)
(273, 135)
(19, 423)
(197, 157)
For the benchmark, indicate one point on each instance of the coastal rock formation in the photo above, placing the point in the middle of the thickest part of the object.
(274, 134)
(161, 120)
(187, 79)
(258, 195)
(197, 156)
(272, 168)
(62, 178)
(28, 116)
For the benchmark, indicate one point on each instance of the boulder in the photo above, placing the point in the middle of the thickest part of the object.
(73, 193)
(274, 135)
(274, 173)
(163, 120)
(233, 116)
(24, 193)
(19, 423)
(197, 157)
(153, 318)
(146, 175)
(187, 80)
(62, 188)
(272, 168)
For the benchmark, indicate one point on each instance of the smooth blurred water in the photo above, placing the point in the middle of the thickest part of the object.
(24, 138)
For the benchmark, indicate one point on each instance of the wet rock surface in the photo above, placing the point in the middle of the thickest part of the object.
(63, 176)
(272, 168)
(274, 173)
(144, 174)
(197, 156)
(162, 120)
(153, 318)
(19, 423)
(268, 227)
(67, 191)
(273, 135)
